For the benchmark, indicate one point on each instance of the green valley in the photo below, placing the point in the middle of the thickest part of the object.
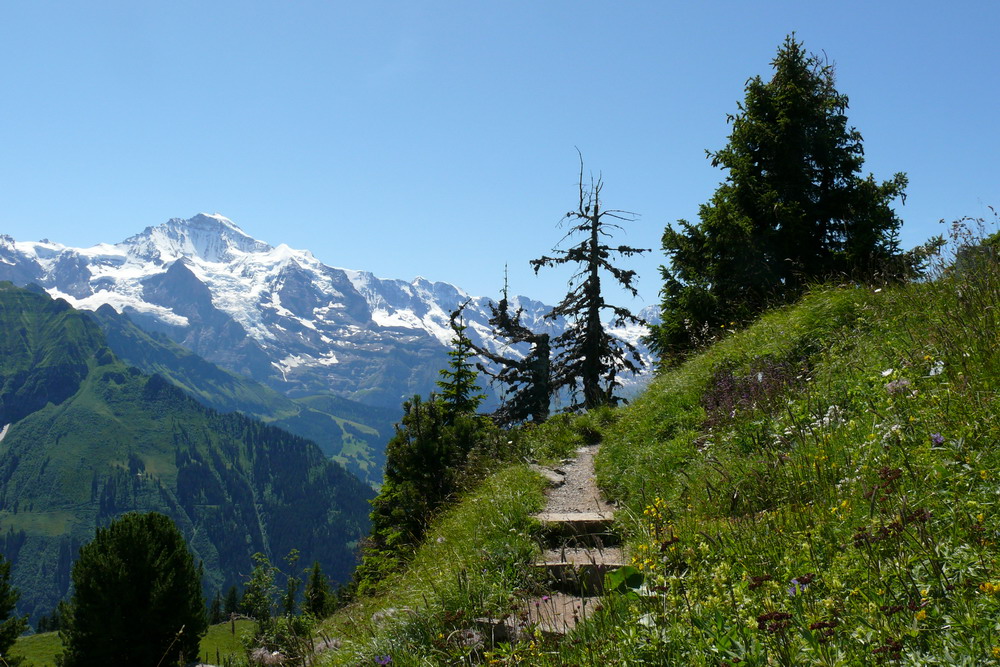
(91, 438)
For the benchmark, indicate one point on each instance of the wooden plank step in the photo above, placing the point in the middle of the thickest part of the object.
(558, 613)
(580, 571)
(579, 528)
(576, 523)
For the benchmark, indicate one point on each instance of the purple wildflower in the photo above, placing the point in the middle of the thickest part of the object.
(797, 587)
(937, 438)
(383, 660)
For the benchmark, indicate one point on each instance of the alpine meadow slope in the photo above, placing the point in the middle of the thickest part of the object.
(87, 438)
(819, 488)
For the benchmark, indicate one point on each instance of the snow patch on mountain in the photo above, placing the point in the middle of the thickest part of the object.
(273, 312)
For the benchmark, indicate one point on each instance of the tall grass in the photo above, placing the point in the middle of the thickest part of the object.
(821, 488)
(471, 566)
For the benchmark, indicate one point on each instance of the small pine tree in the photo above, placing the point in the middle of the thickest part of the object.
(290, 601)
(12, 626)
(232, 604)
(317, 596)
(137, 596)
(459, 392)
(215, 610)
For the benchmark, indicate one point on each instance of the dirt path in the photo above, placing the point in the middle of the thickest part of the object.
(578, 491)
(581, 550)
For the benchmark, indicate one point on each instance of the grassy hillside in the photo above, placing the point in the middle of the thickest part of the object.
(820, 488)
(353, 434)
(110, 439)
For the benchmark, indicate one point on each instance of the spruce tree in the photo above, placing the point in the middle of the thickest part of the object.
(793, 209)
(11, 626)
(589, 359)
(137, 597)
(215, 610)
(232, 604)
(317, 597)
(459, 391)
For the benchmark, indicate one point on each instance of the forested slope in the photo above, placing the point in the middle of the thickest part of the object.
(91, 438)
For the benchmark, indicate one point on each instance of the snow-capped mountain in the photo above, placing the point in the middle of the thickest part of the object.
(273, 313)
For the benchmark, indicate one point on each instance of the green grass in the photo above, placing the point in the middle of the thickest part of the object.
(220, 641)
(38, 650)
(471, 565)
(822, 488)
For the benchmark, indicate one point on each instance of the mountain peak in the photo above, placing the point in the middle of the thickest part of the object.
(210, 237)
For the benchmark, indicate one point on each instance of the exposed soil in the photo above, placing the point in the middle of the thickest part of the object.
(578, 491)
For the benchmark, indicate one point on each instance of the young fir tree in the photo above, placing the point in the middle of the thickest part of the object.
(137, 596)
(317, 598)
(215, 609)
(589, 358)
(11, 626)
(232, 604)
(793, 209)
(459, 391)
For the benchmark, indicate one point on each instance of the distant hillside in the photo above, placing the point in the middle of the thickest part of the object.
(87, 438)
(272, 313)
(353, 433)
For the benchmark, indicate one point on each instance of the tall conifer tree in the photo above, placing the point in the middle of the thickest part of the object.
(137, 596)
(793, 208)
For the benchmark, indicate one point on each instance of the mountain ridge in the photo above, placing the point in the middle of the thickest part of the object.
(273, 313)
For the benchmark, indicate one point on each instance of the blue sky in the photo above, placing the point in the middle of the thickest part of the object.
(439, 138)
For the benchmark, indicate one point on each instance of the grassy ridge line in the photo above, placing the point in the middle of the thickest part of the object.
(821, 488)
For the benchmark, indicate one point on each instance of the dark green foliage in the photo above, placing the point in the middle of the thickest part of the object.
(589, 358)
(459, 392)
(232, 604)
(215, 610)
(11, 626)
(318, 599)
(137, 598)
(290, 601)
(424, 469)
(124, 442)
(259, 591)
(424, 462)
(52, 622)
(793, 208)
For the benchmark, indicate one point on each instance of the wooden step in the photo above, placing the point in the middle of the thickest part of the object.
(579, 570)
(578, 529)
(559, 613)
